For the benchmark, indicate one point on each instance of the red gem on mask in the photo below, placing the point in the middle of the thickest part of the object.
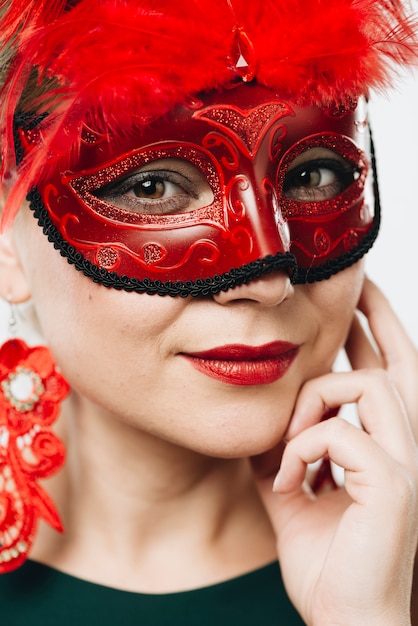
(350, 240)
(152, 253)
(108, 258)
(243, 55)
(322, 241)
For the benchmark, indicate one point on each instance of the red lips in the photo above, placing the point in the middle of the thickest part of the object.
(245, 365)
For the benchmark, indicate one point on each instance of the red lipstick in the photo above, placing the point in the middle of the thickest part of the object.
(245, 365)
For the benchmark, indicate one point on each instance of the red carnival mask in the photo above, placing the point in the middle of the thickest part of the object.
(145, 187)
(214, 195)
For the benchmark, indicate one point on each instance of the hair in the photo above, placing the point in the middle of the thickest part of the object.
(115, 64)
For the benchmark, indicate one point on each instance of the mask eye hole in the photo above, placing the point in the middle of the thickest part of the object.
(163, 187)
(318, 174)
(321, 175)
(162, 184)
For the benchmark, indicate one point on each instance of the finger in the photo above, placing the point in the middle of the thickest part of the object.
(349, 447)
(400, 356)
(381, 490)
(376, 525)
(391, 337)
(379, 407)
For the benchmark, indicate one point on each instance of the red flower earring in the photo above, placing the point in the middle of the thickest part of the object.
(30, 392)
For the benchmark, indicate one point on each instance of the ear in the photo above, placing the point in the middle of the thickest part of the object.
(13, 284)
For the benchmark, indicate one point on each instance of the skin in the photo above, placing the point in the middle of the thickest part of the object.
(162, 328)
(155, 475)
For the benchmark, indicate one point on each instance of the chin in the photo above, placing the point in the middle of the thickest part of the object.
(238, 444)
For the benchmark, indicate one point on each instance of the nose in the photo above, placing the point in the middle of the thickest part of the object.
(269, 290)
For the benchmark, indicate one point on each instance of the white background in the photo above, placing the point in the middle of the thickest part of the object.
(393, 261)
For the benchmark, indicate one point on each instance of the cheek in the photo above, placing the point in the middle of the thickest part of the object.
(88, 327)
(340, 301)
(334, 302)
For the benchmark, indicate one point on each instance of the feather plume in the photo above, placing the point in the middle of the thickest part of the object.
(116, 64)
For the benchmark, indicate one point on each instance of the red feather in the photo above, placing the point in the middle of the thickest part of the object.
(119, 63)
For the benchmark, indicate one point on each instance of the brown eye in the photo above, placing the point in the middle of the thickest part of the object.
(163, 187)
(318, 180)
(153, 189)
(312, 178)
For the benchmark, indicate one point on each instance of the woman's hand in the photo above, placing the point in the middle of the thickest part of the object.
(347, 555)
(393, 351)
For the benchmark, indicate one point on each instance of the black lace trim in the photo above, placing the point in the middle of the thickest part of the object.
(201, 287)
(205, 286)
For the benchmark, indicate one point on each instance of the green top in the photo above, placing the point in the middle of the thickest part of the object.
(37, 595)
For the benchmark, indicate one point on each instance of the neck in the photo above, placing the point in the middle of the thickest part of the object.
(151, 504)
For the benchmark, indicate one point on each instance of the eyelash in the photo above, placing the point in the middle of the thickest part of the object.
(129, 183)
(172, 204)
(116, 193)
(345, 175)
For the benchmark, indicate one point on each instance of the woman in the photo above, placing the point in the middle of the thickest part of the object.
(212, 184)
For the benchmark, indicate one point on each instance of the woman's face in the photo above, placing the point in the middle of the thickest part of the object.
(219, 374)
(145, 361)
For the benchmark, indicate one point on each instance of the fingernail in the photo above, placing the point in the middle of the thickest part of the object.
(277, 484)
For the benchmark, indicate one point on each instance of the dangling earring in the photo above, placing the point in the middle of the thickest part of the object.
(30, 392)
